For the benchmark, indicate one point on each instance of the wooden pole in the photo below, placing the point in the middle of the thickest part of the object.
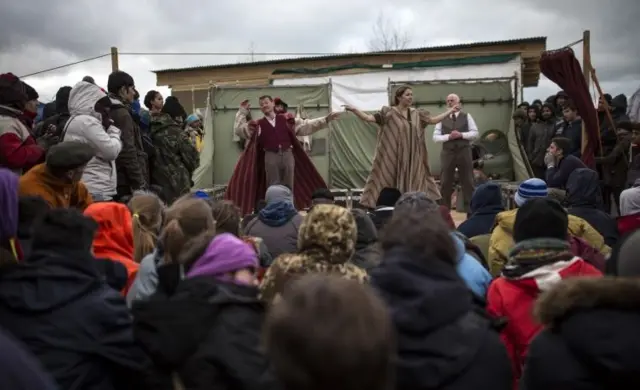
(114, 59)
(586, 72)
(604, 101)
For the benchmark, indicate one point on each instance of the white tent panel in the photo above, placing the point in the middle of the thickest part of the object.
(368, 91)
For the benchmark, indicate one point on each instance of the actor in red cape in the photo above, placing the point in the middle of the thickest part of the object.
(249, 181)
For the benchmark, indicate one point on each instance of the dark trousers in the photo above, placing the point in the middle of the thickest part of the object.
(279, 168)
(452, 157)
(611, 198)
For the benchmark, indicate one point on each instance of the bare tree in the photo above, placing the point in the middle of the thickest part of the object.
(388, 35)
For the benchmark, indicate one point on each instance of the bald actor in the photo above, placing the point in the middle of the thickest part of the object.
(455, 133)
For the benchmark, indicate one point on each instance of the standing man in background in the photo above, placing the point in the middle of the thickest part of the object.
(456, 132)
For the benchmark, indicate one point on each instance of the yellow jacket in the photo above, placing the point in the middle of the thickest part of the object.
(501, 240)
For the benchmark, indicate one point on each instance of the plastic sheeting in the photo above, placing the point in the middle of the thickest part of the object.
(203, 175)
(368, 91)
(634, 107)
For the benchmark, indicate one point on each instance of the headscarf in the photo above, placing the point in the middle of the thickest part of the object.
(225, 254)
(12, 92)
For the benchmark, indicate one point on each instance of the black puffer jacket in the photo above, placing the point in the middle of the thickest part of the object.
(591, 340)
(207, 333)
(443, 341)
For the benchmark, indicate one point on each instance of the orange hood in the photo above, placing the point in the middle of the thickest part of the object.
(114, 238)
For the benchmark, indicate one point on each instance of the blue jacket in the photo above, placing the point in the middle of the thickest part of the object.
(475, 276)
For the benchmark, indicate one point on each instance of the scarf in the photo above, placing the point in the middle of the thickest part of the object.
(277, 213)
(529, 255)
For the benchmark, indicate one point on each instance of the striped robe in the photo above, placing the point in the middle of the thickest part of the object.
(401, 160)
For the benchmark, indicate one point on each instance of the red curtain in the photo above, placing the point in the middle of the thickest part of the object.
(562, 67)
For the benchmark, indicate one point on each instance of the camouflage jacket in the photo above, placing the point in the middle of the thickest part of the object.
(175, 157)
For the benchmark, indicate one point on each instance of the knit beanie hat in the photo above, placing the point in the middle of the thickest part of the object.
(530, 189)
(32, 94)
(540, 218)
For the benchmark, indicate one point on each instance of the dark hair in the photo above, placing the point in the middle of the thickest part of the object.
(117, 80)
(227, 216)
(322, 193)
(421, 231)
(524, 104)
(625, 125)
(149, 97)
(562, 143)
(174, 109)
(536, 109)
(398, 94)
(352, 344)
(265, 97)
(570, 105)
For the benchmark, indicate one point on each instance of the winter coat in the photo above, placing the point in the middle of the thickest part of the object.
(540, 136)
(85, 125)
(512, 299)
(368, 253)
(486, 203)
(471, 270)
(19, 369)
(39, 182)
(18, 149)
(591, 338)
(278, 239)
(443, 342)
(584, 200)
(175, 157)
(132, 163)
(79, 328)
(114, 238)
(502, 238)
(208, 333)
(557, 176)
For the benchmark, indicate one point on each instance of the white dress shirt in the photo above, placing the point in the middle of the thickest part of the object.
(470, 135)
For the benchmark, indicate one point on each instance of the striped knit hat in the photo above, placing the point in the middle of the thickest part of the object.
(529, 189)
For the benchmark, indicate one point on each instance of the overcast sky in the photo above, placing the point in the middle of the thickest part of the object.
(39, 34)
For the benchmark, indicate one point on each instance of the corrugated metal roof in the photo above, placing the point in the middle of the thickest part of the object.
(542, 40)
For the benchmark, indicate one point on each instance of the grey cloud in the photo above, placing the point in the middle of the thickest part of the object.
(39, 34)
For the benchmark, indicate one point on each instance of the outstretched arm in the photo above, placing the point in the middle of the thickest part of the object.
(309, 126)
(241, 126)
(434, 120)
(362, 115)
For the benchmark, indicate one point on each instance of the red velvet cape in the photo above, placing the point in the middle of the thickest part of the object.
(248, 181)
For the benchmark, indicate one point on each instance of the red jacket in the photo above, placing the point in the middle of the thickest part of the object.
(513, 300)
(628, 223)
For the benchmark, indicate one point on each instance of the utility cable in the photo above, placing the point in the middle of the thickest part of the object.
(435, 51)
(64, 66)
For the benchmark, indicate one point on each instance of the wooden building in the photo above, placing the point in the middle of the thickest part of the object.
(192, 84)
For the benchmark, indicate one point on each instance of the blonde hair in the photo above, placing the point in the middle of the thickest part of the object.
(146, 209)
(185, 220)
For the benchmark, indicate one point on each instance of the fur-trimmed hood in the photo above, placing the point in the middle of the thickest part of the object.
(579, 294)
(591, 336)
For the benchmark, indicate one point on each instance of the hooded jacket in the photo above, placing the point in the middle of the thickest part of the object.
(326, 243)
(486, 203)
(114, 238)
(56, 192)
(443, 342)
(208, 330)
(591, 338)
(584, 200)
(85, 125)
(501, 240)
(512, 299)
(367, 254)
(58, 304)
